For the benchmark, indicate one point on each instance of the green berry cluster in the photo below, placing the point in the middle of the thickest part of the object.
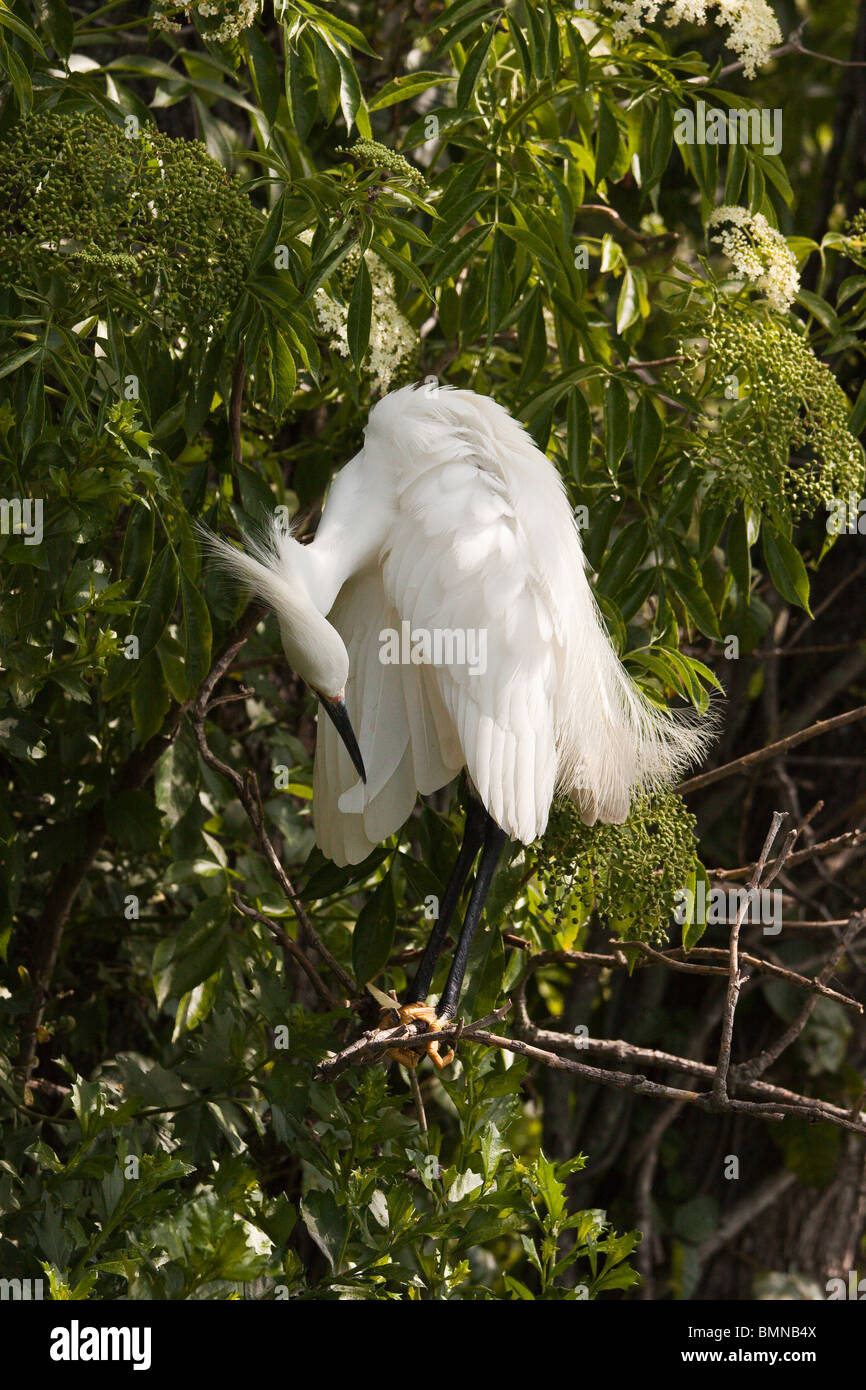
(628, 874)
(376, 156)
(147, 213)
(780, 437)
(856, 227)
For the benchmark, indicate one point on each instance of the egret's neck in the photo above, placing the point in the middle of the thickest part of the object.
(352, 531)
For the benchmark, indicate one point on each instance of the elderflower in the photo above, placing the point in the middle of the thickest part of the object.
(759, 253)
(224, 19)
(392, 337)
(754, 29)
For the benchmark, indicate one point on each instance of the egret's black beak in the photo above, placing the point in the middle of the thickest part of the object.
(339, 717)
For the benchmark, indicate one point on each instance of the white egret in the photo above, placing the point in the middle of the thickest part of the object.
(447, 536)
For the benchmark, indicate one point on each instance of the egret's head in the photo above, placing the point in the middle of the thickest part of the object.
(318, 653)
(273, 568)
(315, 650)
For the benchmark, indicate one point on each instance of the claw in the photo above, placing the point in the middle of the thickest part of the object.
(424, 1013)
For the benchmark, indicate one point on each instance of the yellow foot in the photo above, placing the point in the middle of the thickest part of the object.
(409, 1013)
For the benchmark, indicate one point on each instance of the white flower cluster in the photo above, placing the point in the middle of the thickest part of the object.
(234, 15)
(392, 337)
(759, 253)
(754, 27)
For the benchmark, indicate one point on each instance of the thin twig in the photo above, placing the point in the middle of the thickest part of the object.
(293, 949)
(772, 750)
(776, 1097)
(849, 840)
(759, 1064)
(735, 979)
(416, 1096)
(249, 795)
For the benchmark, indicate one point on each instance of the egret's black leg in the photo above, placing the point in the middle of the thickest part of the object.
(494, 839)
(473, 838)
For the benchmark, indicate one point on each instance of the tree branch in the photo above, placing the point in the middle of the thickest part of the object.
(772, 750)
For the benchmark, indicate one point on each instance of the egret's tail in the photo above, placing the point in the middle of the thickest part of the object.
(614, 742)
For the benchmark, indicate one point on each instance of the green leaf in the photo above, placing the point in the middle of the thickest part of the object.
(739, 552)
(498, 297)
(535, 35)
(857, 420)
(192, 954)
(616, 422)
(579, 433)
(695, 601)
(463, 18)
(532, 340)
(360, 314)
(301, 87)
(326, 1224)
(284, 373)
(632, 303)
(786, 568)
(150, 698)
(263, 67)
(156, 605)
(373, 934)
(271, 232)
(493, 1147)
(551, 1189)
(352, 102)
(406, 87)
(694, 929)
(10, 21)
(648, 431)
(17, 359)
(133, 821)
(456, 256)
(328, 76)
(607, 141)
(822, 311)
(623, 557)
(56, 19)
(197, 633)
(176, 778)
(473, 66)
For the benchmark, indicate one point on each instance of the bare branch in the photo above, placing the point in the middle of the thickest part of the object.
(735, 979)
(850, 840)
(772, 750)
(758, 1065)
(294, 950)
(248, 794)
(372, 1044)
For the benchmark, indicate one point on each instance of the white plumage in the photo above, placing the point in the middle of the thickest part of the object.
(451, 519)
